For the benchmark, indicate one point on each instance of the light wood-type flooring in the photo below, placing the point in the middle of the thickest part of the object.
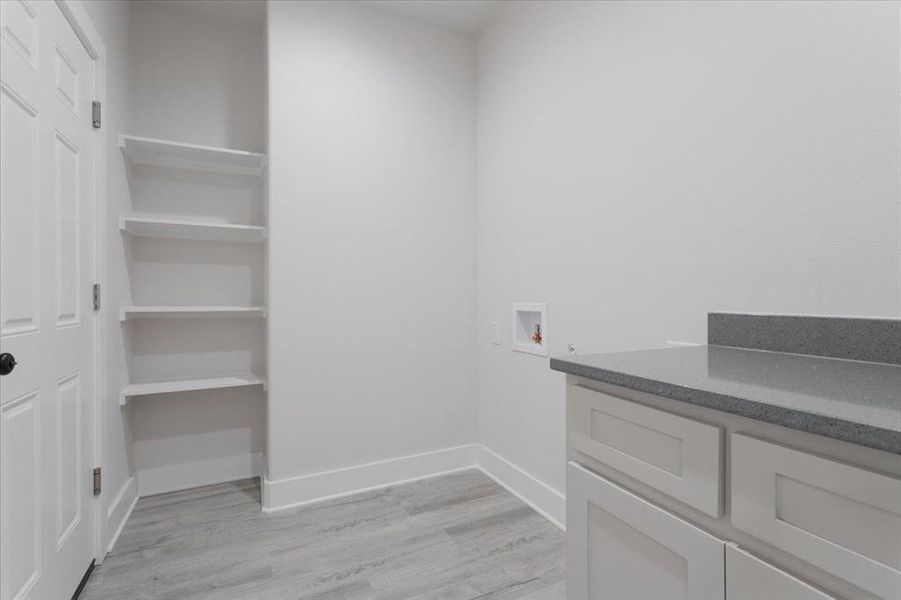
(460, 536)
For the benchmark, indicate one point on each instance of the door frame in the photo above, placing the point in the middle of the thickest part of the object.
(84, 29)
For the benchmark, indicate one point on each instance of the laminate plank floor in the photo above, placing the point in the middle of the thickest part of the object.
(456, 537)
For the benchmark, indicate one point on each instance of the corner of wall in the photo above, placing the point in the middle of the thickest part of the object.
(329, 485)
(118, 513)
(181, 476)
(544, 499)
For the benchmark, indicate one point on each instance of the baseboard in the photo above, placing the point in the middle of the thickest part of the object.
(120, 510)
(172, 478)
(316, 487)
(546, 501)
(327, 485)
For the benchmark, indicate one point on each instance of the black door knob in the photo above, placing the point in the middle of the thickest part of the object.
(7, 363)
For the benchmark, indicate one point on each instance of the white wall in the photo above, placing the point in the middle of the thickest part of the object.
(641, 164)
(110, 18)
(372, 185)
(197, 78)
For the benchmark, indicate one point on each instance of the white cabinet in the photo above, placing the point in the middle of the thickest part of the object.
(749, 578)
(621, 547)
(647, 517)
(840, 518)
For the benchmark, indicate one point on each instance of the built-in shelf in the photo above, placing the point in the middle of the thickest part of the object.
(191, 230)
(163, 312)
(191, 156)
(188, 385)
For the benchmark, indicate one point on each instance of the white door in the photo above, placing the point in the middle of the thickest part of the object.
(46, 317)
(749, 578)
(622, 547)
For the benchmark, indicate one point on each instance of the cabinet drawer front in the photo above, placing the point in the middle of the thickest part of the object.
(621, 547)
(749, 578)
(678, 456)
(842, 519)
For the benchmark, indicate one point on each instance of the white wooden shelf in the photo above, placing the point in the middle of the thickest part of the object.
(189, 385)
(191, 230)
(163, 312)
(191, 156)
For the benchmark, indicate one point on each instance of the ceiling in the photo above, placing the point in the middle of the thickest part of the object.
(465, 16)
(235, 12)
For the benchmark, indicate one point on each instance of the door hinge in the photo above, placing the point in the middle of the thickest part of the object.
(95, 114)
(96, 296)
(96, 481)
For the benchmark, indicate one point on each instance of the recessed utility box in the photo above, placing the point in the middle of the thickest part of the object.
(530, 327)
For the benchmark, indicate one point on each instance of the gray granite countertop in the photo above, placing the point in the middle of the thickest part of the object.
(849, 400)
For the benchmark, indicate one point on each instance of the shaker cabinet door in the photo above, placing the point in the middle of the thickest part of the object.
(621, 547)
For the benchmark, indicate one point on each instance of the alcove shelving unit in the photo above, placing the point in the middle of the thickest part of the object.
(192, 157)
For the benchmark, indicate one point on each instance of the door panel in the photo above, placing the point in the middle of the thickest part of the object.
(616, 549)
(20, 29)
(46, 318)
(19, 310)
(67, 222)
(621, 547)
(67, 88)
(20, 495)
(68, 457)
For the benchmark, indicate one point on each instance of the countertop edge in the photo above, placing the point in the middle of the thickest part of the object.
(860, 434)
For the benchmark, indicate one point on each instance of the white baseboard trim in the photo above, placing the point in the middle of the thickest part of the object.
(172, 478)
(328, 485)
(544, 499)
(120, 510)
(316, 487)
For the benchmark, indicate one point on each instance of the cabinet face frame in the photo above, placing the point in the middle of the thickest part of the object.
(704, 554)
(767, 479)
